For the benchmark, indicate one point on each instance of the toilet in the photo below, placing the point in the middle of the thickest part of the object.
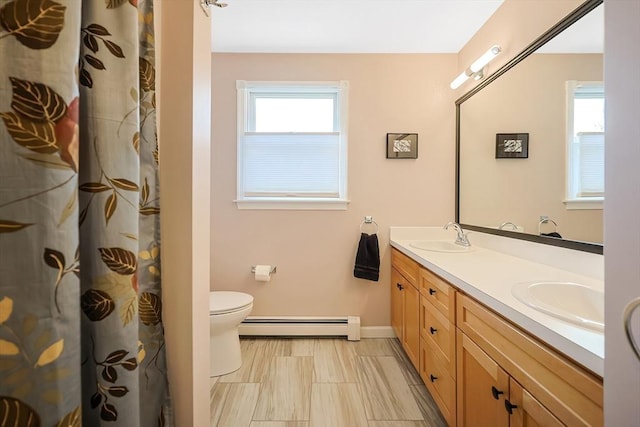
(226, 311)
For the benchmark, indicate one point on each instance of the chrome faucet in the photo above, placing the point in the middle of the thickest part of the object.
(462, 239)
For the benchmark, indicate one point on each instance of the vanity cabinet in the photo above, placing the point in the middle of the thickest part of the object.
(405, 304)
(438, 342)
(480, 369)
(490, 397)
(513, 379)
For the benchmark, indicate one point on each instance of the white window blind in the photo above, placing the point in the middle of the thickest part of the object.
(591, 158)
(585, 153)
(292, 145)
(291, 165)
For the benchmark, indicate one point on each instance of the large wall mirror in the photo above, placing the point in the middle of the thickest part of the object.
(530, 140)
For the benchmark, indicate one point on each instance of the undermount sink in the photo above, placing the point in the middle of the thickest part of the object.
(572, 302)
(439, 246)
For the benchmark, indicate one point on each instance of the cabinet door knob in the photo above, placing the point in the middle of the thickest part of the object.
(433, 378)
(432, 330)
(432, 291)
(399, 286)
(509, 406)
(496, 393)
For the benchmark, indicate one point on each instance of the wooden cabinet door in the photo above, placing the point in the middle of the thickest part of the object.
(527, 411)
(411, 324)
(482, 387)
(397, 283)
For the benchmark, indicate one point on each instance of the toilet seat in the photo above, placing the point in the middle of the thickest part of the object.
(222, 302)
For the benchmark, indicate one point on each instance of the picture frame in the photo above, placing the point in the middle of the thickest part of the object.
(402, 146)
(512, 146)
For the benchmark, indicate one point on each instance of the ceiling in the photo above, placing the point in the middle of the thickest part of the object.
(348, 26)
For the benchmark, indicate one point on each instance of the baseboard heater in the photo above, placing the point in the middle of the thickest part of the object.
(294, 326)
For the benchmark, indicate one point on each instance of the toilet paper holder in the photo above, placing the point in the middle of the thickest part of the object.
(273, 269)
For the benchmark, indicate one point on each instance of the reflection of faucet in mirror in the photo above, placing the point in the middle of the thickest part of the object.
(504, 224)
(461, 239)
(554, 233)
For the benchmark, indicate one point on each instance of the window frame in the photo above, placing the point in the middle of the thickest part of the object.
(573, 201)
(246, 95)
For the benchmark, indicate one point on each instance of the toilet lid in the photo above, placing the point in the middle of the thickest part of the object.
(221, 302)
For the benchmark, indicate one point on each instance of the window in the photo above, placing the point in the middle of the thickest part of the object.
(585, 145)
(292, 145)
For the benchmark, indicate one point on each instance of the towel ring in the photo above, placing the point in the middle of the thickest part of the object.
(542, 221)
(368, 220)
(628, 313)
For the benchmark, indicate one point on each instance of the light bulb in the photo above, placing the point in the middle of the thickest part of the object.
(457, 82)
(485, 58)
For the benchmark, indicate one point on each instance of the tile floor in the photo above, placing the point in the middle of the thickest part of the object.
(322, 382)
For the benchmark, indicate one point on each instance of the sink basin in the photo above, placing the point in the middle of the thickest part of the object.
(439, 246)
(573, 302)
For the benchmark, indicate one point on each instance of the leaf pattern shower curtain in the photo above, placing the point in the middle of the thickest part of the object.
(81, 335)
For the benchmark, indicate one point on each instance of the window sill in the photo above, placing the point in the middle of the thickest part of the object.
(266, 203)
(590, 203)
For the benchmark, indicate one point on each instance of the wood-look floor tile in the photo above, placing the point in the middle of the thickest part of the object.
(386, 394)
(233, 404)
(256, 357)
(334, 361)
(398, 424)
(302, 346)
(246, 373)
(410, 373)
(428, 406)
(279, 424)
(374, 347)
(286, 389)
(337, 405)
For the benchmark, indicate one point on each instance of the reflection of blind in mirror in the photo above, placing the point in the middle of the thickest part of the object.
(586, 126)
(295, 113)
(591, 147)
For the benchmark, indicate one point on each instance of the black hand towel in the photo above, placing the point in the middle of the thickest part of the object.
(368, 258)
(552, 234)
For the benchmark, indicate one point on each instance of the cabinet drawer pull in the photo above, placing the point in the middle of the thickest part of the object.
(432, 330)
(509, 406)
(399, 286)
(433, 378)
(432, 291)
(496, 393)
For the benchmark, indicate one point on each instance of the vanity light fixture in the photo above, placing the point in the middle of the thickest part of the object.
(476, 70)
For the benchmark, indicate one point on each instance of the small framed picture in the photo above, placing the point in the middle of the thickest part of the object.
(512, 145)
(402, 146)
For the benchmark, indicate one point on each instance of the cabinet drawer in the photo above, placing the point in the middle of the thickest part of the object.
(571, 393)
(406, 266)
(439, 293)
(437, 329)
(434, 371)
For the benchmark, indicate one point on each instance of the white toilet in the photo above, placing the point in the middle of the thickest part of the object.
(226, 311)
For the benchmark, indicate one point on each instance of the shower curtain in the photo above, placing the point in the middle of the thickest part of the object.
(81, 333)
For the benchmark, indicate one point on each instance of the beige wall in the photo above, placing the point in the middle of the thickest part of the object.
(315, 250)
(184, 97)
(530, 98)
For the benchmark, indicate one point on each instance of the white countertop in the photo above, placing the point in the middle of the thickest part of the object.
(495, 264)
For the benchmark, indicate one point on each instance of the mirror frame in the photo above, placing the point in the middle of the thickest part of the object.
(562, 25)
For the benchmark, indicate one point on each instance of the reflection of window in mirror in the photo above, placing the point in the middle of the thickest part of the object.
(585, 145)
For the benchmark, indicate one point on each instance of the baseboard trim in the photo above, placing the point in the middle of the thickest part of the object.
(377, 332)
